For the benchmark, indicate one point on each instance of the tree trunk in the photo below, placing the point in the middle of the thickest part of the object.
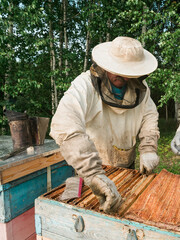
(166, 112)
(108, 28)
(9, 68)
(60, 36)
(60, 46)
(60, 63)
(52, 63)
(65, 32)
(87, 49)
(88, 39)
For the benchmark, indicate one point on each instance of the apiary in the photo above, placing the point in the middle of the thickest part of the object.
(150, 210)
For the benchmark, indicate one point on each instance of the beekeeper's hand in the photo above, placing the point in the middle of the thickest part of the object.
(175, 143)
(148, 161)
(106, 192)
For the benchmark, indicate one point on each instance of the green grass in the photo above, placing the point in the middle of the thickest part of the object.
(168, 160)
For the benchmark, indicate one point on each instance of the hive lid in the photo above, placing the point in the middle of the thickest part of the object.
(159, 204)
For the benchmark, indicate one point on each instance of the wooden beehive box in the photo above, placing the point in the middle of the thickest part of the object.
(18, 196)
(25, 177)
(81, 218)
(22, 179)
(19, 228)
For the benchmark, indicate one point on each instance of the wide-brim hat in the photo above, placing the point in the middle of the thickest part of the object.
(124, 56)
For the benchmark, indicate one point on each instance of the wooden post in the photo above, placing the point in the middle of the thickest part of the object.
(49, 178)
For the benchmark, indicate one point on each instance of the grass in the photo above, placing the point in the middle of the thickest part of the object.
(168, 160)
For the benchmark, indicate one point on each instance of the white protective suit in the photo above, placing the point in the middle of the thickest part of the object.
(175, 143)
(91, 133)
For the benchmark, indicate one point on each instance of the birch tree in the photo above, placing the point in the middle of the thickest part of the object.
(8, 73)
(60, 37)
(65, 32)
(52, 62)
(86, 58)
(51, 37)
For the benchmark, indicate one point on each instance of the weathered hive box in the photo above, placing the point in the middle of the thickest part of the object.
(19, 228)
(17, 220)
(22, 179)
(81, 219)
(18, 196)
(23, 164)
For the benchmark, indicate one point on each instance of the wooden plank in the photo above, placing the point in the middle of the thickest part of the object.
(159, 205)
(18, 196)
(32, 237)
(21, 227)
(41, 238)
(135, 194)
(90, 197)
(49, 178)
(45, 238)
(25, 158)
(64, 226)
(5, 231)
(26, 168)
(58, 222)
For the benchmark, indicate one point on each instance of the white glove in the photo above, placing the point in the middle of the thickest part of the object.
(148, 161)
(175, 143)
(106, 192)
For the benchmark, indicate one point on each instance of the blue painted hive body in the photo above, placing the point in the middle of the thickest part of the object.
(18, 196)
(24, 178)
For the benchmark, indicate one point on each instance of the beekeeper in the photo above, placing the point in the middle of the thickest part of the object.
(102, 113)
(175, 143)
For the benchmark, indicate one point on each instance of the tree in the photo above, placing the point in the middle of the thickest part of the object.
(46, 44)
(52, 61)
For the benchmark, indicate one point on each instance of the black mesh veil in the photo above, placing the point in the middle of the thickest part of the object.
(102, 85)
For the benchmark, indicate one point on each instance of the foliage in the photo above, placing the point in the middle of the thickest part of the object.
(25, 72)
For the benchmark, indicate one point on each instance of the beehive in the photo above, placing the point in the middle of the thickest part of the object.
(23, 178)
(81, 218)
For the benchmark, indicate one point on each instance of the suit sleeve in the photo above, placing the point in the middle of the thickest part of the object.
(149, 132)
(68, 128)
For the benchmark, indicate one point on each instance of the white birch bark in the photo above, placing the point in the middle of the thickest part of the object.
(65, 32)
(9, 69)
(108, 33)
(52, 64)
(87, 49)
(60, 37)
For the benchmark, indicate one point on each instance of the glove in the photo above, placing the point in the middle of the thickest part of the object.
(175, 143)
(106, 192)
(148, 161)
